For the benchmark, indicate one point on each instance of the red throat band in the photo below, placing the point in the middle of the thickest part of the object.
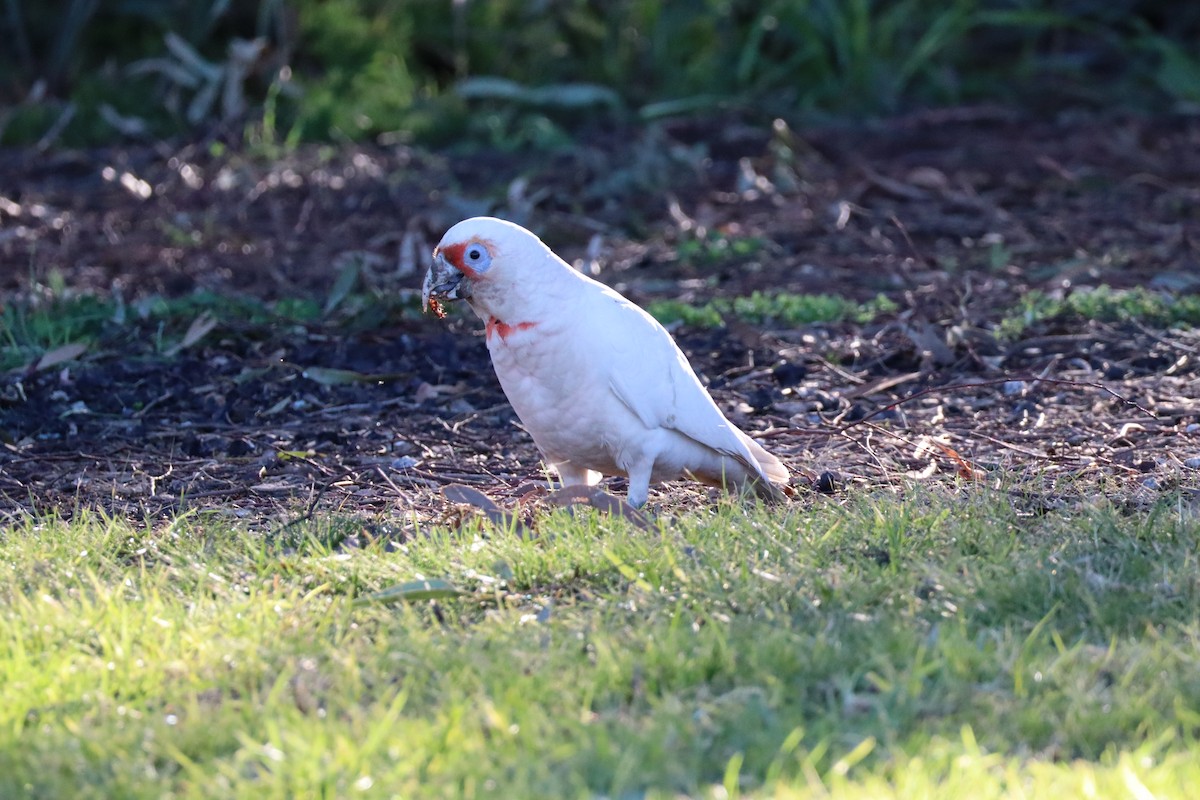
(501, 329)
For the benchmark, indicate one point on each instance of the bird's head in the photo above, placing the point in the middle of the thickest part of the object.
(485, 261)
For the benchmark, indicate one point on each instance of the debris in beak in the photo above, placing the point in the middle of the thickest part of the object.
(442, 281)
(436, 305)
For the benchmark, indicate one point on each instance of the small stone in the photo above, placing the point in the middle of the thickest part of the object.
(404, 462)
(1192, 463)
(761, 399)
(855, 413)
(789, 374)
(828, 482)
(1151, 483)
(240, 447)
(460, 406)
(1013, 387)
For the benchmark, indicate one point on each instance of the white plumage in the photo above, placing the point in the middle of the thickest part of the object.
(599, 383)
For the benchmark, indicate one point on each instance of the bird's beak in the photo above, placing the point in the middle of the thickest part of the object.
(443, 281)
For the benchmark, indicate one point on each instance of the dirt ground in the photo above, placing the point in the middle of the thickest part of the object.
(955, 215)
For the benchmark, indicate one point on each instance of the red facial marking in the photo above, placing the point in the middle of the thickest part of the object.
(502, 329)
(454, 254)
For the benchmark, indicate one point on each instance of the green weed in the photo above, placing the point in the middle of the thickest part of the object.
(783, 308)
(1103, 304)
(677, 311)
(716, 247)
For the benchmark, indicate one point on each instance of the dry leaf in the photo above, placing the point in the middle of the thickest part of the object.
(59, 355)
(601, 501)
(412, 592)
(346, 280)
(965, 469)
(335, 377)
(428, 391)
(457, 493)
(201, 326)
(327, 376)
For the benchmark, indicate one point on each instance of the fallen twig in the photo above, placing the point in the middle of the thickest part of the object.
(1030, 379)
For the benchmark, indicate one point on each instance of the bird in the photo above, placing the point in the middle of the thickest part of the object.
(598, 383)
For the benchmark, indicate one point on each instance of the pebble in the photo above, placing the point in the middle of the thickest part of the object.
(1014, 387)
(460, 406)
(828, 482)
(789, 374)
(404, 462)
(1025, 408)
(1192, 463)
(240, 447)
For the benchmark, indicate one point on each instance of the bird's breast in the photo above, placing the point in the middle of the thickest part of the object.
(525, 351)
(560, 393)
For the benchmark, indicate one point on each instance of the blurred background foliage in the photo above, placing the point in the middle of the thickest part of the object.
(518, 73)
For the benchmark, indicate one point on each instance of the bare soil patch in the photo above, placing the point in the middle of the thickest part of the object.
(955, 215)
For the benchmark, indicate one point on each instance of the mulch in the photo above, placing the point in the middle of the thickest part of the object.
(955, 215)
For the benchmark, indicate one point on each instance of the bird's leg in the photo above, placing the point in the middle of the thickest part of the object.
(639, 483)
(571, 475)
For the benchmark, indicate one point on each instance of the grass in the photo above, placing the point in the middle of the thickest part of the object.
(27, 332)
(931, 645)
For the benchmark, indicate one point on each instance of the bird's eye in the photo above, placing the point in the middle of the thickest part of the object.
(477, 257)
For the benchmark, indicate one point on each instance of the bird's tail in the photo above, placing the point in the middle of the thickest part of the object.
(773, 474)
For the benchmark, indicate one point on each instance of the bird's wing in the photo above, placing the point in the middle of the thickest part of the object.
(652, 378)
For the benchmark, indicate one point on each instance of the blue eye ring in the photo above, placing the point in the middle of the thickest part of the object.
(477, 257)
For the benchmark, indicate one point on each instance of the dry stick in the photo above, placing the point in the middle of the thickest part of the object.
(1032, 379)
(865, 444)
(834, 368)
(354, 475)
(936, 453)
(908, 239)
(1163, 340)
(312, 506)
(388, 479)
(55, 130)
(1108, 462)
